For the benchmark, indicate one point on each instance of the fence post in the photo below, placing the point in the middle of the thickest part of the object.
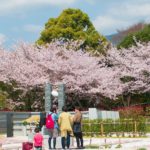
(135, 126)
(9, 124)
(90, 133)
(102, 128)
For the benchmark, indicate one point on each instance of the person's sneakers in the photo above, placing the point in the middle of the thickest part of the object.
(82, 147)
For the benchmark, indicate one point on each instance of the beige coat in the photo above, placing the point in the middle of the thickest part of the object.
(77, 117)
(65, 123)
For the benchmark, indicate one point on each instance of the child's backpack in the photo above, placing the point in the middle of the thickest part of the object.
(49, 122)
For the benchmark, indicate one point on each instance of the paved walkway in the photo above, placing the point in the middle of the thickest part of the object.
(113, 143)
(15, 143)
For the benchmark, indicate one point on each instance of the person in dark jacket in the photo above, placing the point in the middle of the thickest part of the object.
(77, 128)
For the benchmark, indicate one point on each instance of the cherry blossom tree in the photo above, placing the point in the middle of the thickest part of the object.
(134, 64)
(30, 65)
(117, 73)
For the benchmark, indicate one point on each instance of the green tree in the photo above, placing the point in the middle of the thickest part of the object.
(73, 24)
(142, 35)
(3, 97)
(9, 92)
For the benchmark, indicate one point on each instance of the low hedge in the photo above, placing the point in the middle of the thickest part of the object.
(100, 127)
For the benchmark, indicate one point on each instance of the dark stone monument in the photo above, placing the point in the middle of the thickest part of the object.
(48, 97)
(60, 97)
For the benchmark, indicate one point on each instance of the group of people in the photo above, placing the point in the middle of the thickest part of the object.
(67, 125)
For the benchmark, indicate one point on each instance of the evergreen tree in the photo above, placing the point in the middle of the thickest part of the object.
(140, 36)
(73, 24)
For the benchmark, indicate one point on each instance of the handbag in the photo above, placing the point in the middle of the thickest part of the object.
(77, 127)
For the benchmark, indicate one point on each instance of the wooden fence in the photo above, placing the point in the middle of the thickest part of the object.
(116, 129)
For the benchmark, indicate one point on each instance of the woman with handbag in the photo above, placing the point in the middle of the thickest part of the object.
(77, 128)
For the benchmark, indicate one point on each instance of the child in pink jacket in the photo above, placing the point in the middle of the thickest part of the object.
(38, 139)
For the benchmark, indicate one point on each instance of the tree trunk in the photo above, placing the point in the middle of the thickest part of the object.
(123, 101)
(128, 100)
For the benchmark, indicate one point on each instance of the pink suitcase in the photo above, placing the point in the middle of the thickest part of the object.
(27, 146)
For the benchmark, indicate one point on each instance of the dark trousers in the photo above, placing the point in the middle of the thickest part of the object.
(38, 147)
(65, 141)
(79, 139)
(54, 142)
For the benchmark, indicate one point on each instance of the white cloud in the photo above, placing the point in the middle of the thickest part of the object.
(33, 28)
(9, 5)
(123, 15)
(108, 25)
(132, 10)
(2, 38)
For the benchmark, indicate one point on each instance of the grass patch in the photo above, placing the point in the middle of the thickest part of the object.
(119, 146)
(91, 146)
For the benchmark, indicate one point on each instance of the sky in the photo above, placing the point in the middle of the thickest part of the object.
(23, 20)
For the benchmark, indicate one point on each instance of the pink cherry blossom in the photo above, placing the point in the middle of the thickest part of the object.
(31, 65)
